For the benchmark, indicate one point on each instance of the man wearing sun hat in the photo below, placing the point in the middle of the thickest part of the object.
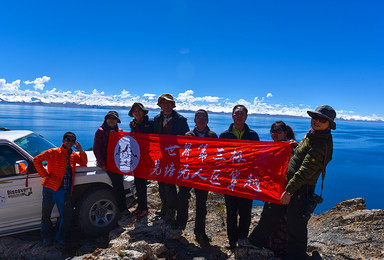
(309, 159)
(172, 123)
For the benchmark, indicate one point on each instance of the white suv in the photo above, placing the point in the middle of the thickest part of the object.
(95, 207)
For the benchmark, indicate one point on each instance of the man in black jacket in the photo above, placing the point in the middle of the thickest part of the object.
(236, 205)
(172, 123)
(201, 130)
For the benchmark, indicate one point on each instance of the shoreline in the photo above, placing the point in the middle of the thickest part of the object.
(74, 105)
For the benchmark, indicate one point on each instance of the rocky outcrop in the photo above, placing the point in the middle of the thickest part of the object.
(347, 231)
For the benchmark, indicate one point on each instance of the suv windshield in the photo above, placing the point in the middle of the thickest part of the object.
(34, 144)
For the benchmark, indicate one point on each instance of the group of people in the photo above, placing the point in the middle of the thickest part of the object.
(284, 221)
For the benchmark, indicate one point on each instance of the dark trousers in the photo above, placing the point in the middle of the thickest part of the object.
(168, 195)
(118, 187)
(183, 205)
(141, 189)
(297, 224)
(270, 218)
(242, 207)
(62, 199)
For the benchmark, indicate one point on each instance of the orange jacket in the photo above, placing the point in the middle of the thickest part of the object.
(57, 163)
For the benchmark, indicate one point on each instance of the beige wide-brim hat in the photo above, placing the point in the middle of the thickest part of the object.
(167, 97)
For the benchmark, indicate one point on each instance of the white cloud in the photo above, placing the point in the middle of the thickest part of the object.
(95, 92)
(150, 96)
(269, 95)
(39, 83)
(10, 92)
(187, 96)
(124, 94)
(9, 86)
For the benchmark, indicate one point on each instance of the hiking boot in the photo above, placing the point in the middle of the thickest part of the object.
(47, 242)
(142, 213)
(202, 238)
(244, 242)
(170, 215)
(162, 212)
(62, 243)
(230, 246)
(177, 226)
(315, 256)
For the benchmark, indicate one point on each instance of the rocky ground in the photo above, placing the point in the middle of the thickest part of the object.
(348, 231)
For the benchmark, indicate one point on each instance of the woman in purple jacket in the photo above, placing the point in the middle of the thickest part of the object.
(100, 145)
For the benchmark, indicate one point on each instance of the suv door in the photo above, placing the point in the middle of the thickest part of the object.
(20, 206)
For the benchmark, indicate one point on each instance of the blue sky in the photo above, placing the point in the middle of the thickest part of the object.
(274, 56)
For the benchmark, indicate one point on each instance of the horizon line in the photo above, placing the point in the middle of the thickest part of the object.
(75, 105)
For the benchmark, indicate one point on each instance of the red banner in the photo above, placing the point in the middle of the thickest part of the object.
(248, 169)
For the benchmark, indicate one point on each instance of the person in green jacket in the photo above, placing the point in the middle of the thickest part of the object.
(309, 159)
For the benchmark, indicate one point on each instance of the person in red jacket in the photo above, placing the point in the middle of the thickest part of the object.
(59, 177)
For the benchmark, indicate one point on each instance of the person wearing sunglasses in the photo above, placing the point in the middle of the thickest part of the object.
(100, 145)
(310, 158)
(59, 177)
(271, 231)
(308, 161)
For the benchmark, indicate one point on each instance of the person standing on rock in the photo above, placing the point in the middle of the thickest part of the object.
(59, 177)
(172, 123)
(310, 158)
(201, 130)
(140, 124)
(271, 231)
(100, 145)
(236, 205)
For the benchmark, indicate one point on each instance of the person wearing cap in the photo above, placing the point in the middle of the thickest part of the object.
(172, 123)
(237, 230)
(140, 124)
(310, 157)
(59, 177)
(201, 130)
(100, 145)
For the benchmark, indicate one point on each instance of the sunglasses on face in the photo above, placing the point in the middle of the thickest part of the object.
(112, 117)
(276, 131)
(70, 140)
(320, 118)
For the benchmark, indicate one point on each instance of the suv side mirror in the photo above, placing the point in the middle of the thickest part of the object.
(21, 166)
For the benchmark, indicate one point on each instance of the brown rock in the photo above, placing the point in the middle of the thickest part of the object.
(347, 231)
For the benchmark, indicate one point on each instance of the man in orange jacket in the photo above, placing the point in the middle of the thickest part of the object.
(58, 184)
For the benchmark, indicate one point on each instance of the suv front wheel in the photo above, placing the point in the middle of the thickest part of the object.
(97, 212)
